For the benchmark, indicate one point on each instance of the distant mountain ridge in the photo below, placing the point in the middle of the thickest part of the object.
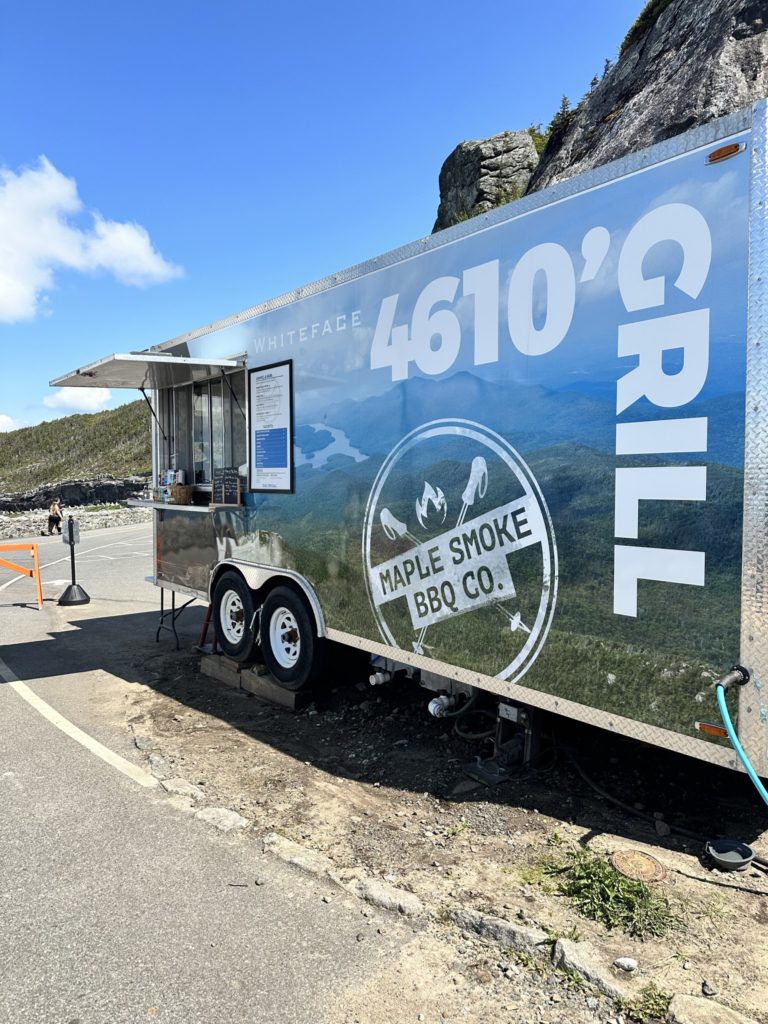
(114, 443)
(529, 416)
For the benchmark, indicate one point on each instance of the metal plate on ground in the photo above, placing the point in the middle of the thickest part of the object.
(640, 866)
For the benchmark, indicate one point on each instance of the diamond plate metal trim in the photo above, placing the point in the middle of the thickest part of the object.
(701, 749)
(753, 699)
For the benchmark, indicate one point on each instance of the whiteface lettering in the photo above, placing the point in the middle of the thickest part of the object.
(308, 332)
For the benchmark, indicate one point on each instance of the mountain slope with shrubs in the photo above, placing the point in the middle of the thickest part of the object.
(80, 447)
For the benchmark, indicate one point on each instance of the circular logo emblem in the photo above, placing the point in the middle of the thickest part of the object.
(459, 551)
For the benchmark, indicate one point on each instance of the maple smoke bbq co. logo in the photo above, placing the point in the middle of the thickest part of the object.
(456, 528)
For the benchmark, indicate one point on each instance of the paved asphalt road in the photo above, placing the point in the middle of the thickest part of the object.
(115, 905)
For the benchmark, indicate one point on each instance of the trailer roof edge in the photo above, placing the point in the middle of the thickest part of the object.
(672, 148)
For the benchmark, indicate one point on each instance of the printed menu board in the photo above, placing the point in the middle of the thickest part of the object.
(271, 423)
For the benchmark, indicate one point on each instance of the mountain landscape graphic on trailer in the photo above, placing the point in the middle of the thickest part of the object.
(606, 349)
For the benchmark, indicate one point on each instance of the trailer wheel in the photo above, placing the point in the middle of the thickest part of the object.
(234, 612)
(292, 650)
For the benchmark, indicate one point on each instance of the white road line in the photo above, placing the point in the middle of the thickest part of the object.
(131, 770)
(66, 558)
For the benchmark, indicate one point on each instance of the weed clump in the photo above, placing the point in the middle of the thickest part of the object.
(601, 893)
(651, 1003)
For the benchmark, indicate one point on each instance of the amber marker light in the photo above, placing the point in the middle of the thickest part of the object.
(711, 730)
(725, 152)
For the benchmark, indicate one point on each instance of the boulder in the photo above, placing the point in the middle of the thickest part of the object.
(483, 174)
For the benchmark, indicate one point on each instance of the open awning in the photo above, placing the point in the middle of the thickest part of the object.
(141, 370)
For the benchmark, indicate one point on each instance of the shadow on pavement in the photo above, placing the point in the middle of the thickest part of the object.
(386, 737)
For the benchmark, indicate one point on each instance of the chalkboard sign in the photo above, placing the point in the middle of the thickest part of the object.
(226, 486)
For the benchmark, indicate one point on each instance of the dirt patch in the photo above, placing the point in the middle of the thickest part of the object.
(466, 982)
(368, 778)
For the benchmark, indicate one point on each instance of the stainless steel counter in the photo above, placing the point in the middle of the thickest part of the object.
(137, 503)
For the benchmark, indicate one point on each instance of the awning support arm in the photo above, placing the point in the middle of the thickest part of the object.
(154, 414)
(234, 396)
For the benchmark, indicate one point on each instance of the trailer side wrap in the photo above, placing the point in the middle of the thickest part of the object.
(514, 453)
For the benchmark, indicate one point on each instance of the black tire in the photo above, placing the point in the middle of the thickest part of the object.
(290, 646)
(234, 613)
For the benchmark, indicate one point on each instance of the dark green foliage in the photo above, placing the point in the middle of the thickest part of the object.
(644, 22)
(115, 442)
(562, 118)
(540, 137)
(506, 195)
(502, 197)
(599, 892)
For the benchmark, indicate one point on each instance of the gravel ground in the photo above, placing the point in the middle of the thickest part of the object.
(368, 779)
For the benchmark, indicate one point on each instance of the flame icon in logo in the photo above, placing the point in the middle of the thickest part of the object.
(433, 496)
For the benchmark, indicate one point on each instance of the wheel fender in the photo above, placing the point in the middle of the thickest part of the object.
(258, 576)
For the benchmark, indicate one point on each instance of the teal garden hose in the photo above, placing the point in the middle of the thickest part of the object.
(739, 676)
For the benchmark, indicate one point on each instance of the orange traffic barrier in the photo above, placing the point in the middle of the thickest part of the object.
(34, 572)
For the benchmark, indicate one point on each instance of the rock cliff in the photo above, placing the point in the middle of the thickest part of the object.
(104, 490)
(698, 60)
(485, 173)
(683, 63)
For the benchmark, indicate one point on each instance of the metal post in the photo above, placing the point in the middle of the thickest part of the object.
(74, 594)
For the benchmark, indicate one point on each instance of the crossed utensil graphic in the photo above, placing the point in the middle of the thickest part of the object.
(476, 487)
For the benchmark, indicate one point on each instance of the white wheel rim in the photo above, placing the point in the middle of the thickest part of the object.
(284, 637)
(232, 618)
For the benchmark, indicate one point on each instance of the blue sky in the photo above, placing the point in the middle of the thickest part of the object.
(163, 165)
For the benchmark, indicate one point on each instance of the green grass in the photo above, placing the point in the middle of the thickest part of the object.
(529, 961)
(573, 934)
(573, 980)
(650, 1004)
(600, 893)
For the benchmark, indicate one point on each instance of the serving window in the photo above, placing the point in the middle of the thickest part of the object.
(203, 427)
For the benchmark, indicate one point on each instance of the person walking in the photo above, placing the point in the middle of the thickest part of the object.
(54, 517)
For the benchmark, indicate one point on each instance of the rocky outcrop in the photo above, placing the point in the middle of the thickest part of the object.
(685, 62)
(103, 490)
(480, 175)
(698, 60)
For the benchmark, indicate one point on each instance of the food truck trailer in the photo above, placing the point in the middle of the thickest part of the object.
(525, 455)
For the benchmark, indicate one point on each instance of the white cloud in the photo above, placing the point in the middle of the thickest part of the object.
(6, 424)
(78, 399)
(38, 237)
